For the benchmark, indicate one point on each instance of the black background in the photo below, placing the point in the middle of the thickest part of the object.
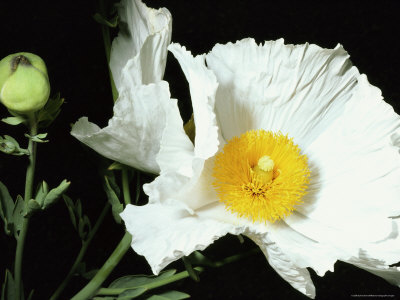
(65, 35)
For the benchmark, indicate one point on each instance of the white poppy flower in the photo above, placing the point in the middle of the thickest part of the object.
(293, 148)
(137, 62)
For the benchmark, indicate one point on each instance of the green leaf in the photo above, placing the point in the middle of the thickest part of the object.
(131, 294)
(6, 208)
(37, 138)
(71, 209)
(55, 193)
(14, 120)
(112, 196)
(32, 207)
(31, 295)
(116, 166)
(9, 145)
(192, 272)
(18, 215)
(198, 259)
(8, 287)
(170, 295)
(50, 111)
(41, 192)
(135, 281)
(138, 188)
(84, 227)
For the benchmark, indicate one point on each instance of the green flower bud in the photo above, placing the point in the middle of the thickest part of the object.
(24, 84)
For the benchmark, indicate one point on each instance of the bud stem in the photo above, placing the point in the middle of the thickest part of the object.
(30, 171)
(91, 288)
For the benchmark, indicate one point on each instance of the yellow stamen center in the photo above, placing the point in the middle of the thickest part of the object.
(261, 175)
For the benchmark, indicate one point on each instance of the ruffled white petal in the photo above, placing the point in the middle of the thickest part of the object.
(138, 58)
(133, 135)
(138, 54)
(178, 159)
(165, 233)
(295, 89)
(203, 86)
(355, 170)
(297, 277)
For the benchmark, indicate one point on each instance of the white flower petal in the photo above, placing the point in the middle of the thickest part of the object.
(376, 267)
(164, 233)
(138, 54)
(355, 167)
(203, 86)
(178, 159)
(137, 61)
(298, 90)
(297, 277)
(302, 250)
(133, 135)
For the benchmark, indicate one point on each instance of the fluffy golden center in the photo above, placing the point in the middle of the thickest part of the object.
(261, 175)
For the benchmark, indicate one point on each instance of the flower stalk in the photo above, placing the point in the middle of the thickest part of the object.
(92, 287)
(30, 172)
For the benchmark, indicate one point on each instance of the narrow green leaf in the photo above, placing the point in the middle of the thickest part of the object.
(50, 111)
(131, 294)
(41, 192)
(36, 138)
(8, 287)
(18, 215)
(115, 166)
(192, 273)
(138, 188)
(32, 207)
(41, 135)
(198, 259)
(30, 295)
(71, 210)
(78, 208)
(13, 120)
(134, 281)
(6, 208)
(170, 295)
(11, 139)
(116, 205)
(84, 227)
(55, 193)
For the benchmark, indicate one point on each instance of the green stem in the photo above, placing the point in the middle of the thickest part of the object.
(30, 172)
(125, 186)
(105, 30)
(82, 252)
(92, 287)
(179, 276)
(176, 277)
